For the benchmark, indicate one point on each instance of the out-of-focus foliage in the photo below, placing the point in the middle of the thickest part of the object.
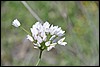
(80, 20)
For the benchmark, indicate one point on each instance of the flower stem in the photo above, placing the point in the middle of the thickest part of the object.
(39, 58)
(25, 30)
(40, 54)
(38, 62)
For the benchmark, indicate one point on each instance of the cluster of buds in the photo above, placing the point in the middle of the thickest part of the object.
(45, 36)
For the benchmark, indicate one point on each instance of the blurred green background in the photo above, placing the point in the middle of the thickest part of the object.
(80, 20)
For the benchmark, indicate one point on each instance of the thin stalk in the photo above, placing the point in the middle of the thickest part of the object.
(25, 30)
(38, 62)
(31, 11)
(39, 58)
(40, 53)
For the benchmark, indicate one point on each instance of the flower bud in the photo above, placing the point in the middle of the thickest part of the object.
(30, 38)
(16, 23)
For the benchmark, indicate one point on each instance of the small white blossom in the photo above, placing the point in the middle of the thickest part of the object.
(61, 41)
(47, 43)
(46, 26)
(34, 31)
(35, 37)
(39, 39)
(52, 37)
(54, 29)
(35, 45)
(38, 26)
(38, 44)
(60, 33)
(43, 35)
(51, 46)
(16, 23)
(58, 30)
(30, 38)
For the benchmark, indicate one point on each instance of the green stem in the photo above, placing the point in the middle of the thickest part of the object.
(39, 57)
(38, 62)
(40, 54)
(25, 30)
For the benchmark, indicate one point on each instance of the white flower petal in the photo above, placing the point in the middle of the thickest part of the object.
(53, 29)
(44, 38)
(35, 47)
(43, 34)
(35, 37)
(38, 26)
(58, 30)
(34, 31)
(51, 46)
(47, 43)
(38, 44)
(61, 41)
(39, 39)
(52, 37)
(16, 23)
(30, 38)
(46, 26)
(35, 44)
(60, 33)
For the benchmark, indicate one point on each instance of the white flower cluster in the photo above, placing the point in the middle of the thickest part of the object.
(46, 36)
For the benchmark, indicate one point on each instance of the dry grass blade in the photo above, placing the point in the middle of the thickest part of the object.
(31, 11)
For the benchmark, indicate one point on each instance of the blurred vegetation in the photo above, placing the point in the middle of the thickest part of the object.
(80, 20)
